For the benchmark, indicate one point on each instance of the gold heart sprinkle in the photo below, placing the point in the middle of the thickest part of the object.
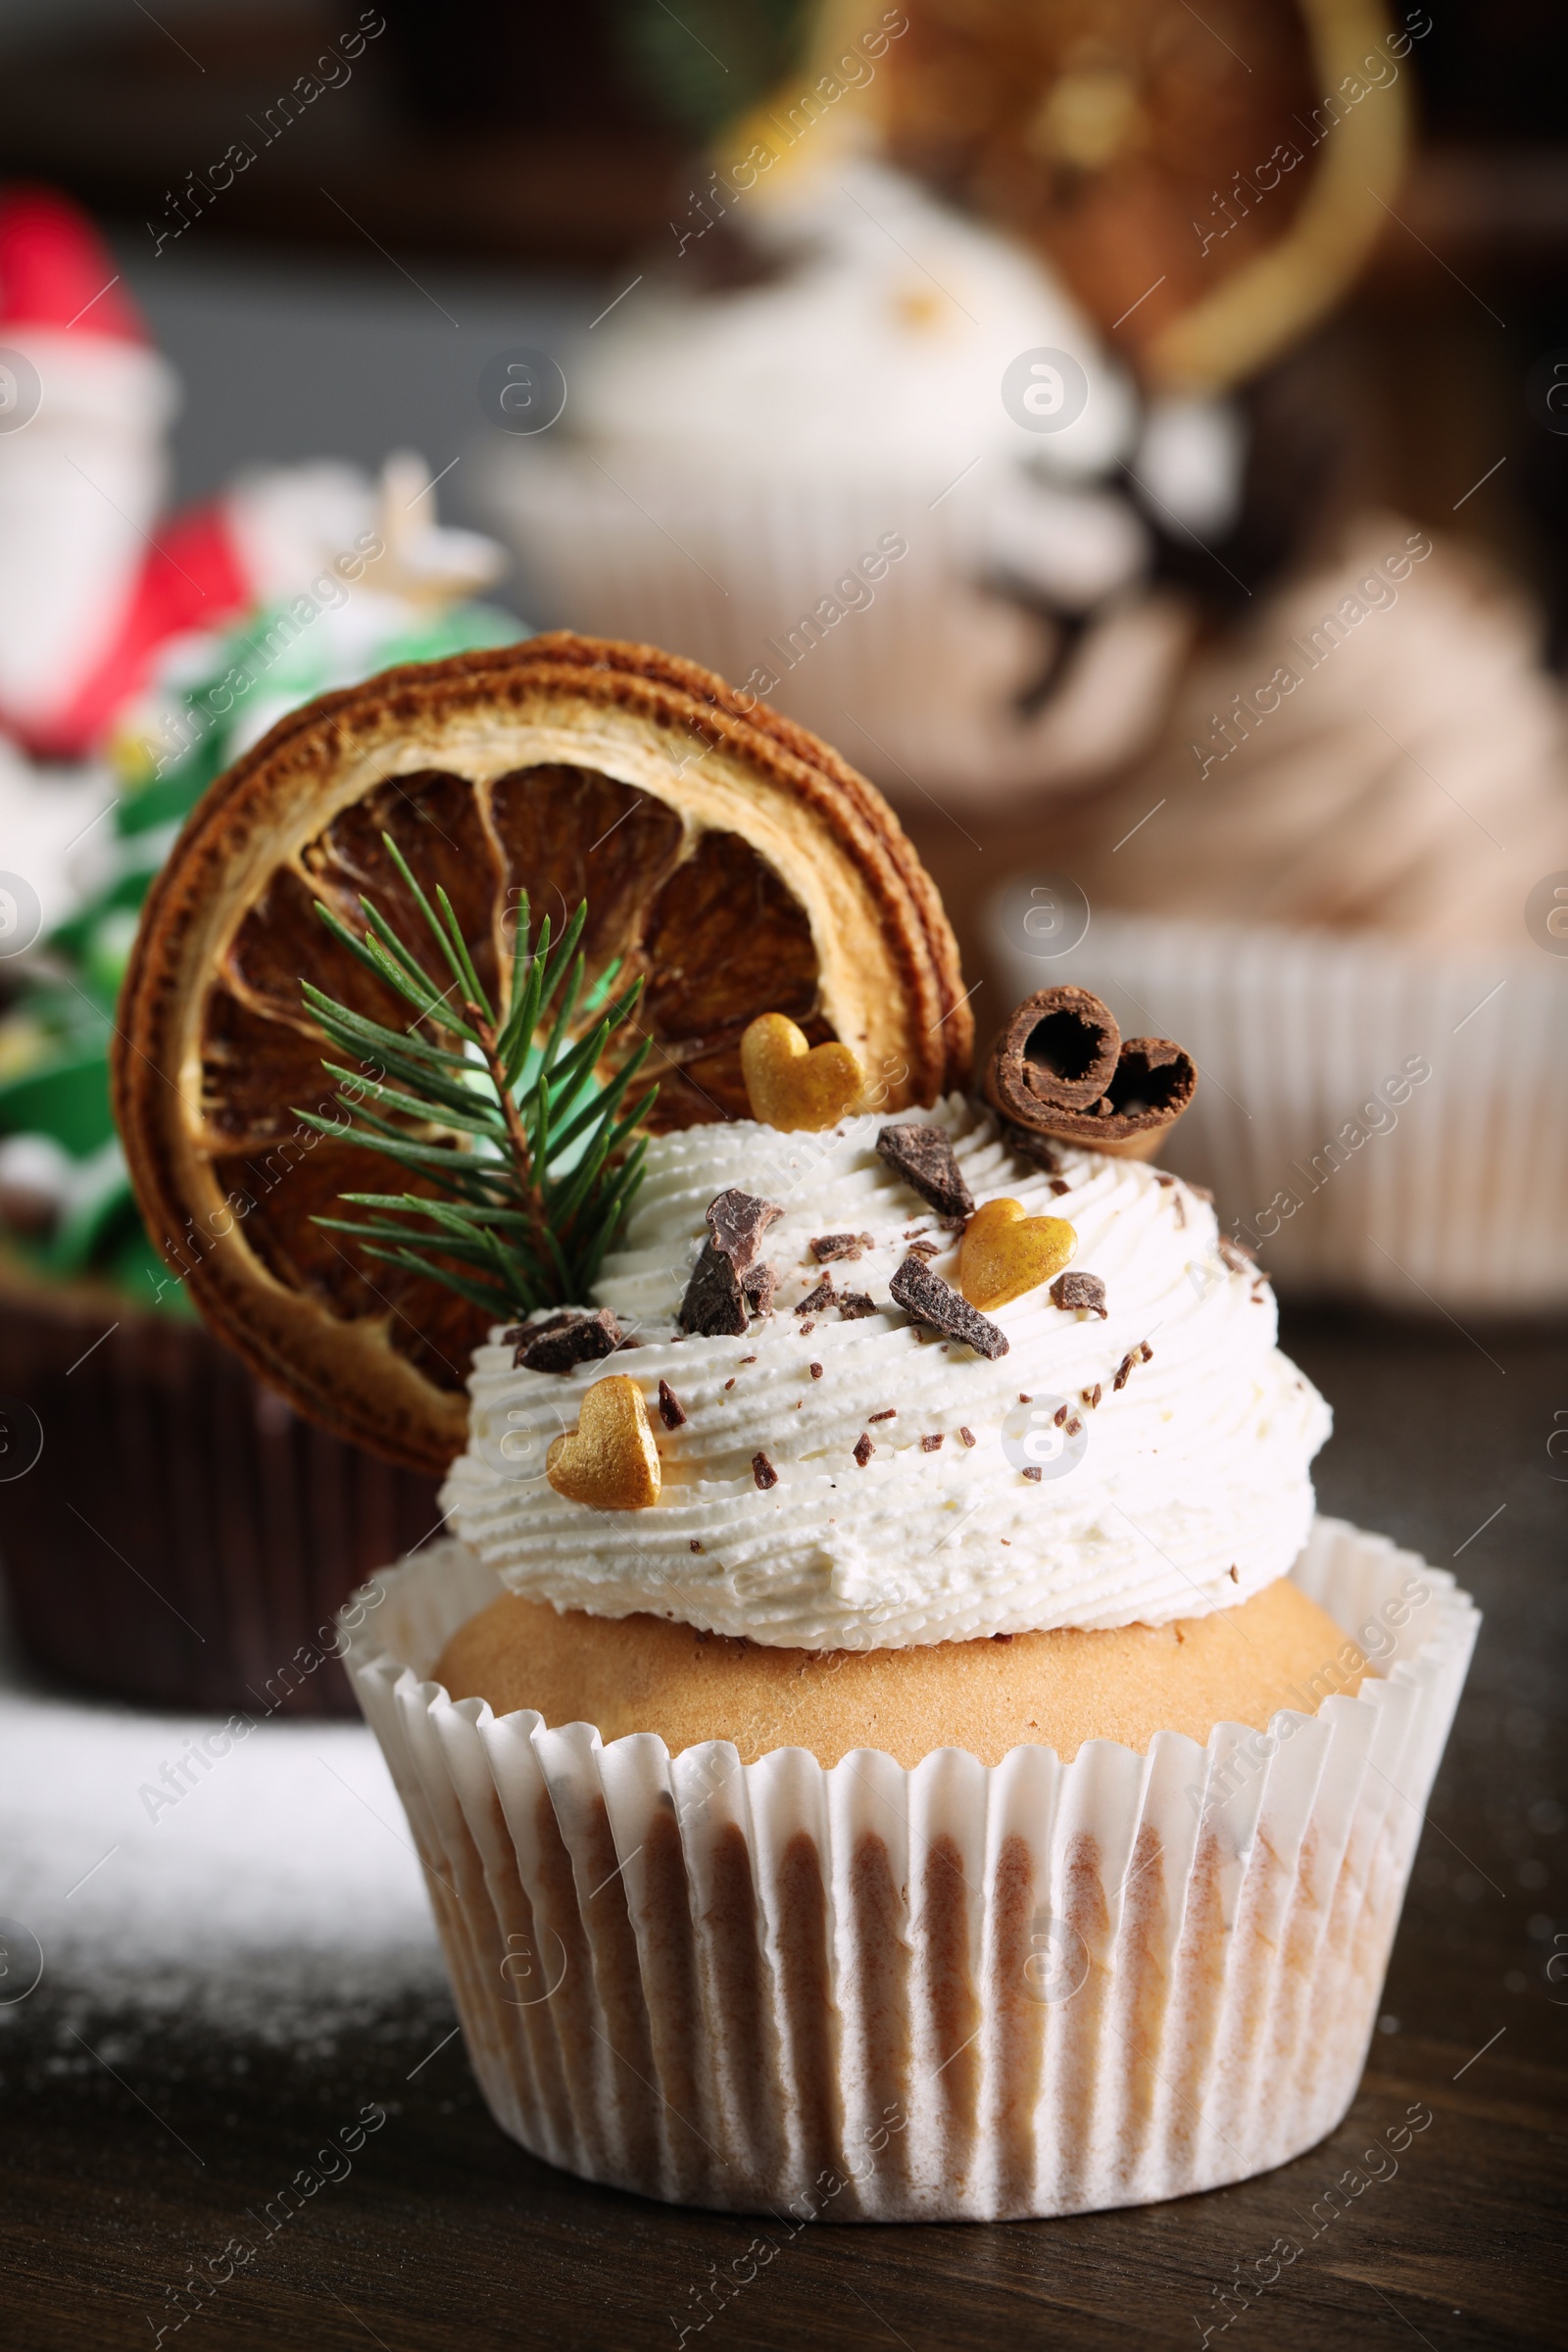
(1005, 1254)
(795, 1086)
(609, 1461)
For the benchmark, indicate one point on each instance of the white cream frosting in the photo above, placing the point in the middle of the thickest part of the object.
(1190, 1489)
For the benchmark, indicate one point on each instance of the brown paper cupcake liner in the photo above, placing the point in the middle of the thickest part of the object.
(948, 1993)
(183, 1539)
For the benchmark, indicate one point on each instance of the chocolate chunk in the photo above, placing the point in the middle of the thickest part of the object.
(1059, 1184)
(737, 1221)
(1080, 1290)
(853, 1305)
(924, 1157)
(671, 1411)
(760, 1286)
(829, 1246)
(814, 1300)
(864, 1449)
(714, 1304)
(931, 1445)
(815, 1370)
(930, 1299)
(763, 1471)
(1038, 1149)
(562, 1340)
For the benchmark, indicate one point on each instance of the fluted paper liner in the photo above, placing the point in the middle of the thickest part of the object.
(1454, 1196)
(950, 1993)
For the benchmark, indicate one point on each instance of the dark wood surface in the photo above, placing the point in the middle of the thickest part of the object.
(445, 2235)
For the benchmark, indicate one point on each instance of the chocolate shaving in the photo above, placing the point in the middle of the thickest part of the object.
(891, 1414)
(671, 1411)
(932, 1445)
(1237, 1256)
(930, 1299)
(814, 1300)
(714, 1304)
(829, 1246)
(737, 1221)
(924, 1157)
(729, 1284)
(760, 1286)
(562, 1340)
(763, 1471)
(815, 1370)
(968, 1435)
(1031, 1146)
(853, 1305)
(1034, 1472)
(1061, 1068)
(926, 1248)
(864, 1449)
(1080, 1292)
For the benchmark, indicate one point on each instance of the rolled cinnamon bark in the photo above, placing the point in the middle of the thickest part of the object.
(1148, 1085)
(1057, 1052)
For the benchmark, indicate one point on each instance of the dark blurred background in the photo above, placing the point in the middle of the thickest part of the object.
(486, 170)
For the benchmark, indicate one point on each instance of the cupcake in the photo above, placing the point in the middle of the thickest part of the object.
(887, 1737)
(164, 1464)
(1335, 878)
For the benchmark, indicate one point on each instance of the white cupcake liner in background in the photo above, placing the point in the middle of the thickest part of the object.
(952, 1993)
(1293, 1032)
(920, 685)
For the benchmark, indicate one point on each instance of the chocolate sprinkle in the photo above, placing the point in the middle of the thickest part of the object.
(563, 1341)
(671, 1411)
(1080, 1290)
(828, 1246)
(1237, 1256)
(930, 1299)
(763, 1471)
(864, 1449)
(853, 1305)
(926, 1159)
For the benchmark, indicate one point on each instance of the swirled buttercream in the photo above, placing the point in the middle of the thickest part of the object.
(1150, 1465)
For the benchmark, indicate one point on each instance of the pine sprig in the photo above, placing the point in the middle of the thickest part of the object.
(531, 1154)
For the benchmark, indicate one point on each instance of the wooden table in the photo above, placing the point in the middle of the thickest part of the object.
(445, 2235)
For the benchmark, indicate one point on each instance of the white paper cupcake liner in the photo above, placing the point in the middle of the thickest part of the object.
(919, 679)
(952, 1993)
(1454, 1196)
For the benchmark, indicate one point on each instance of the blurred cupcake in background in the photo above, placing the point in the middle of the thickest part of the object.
(128, 680)
(813, 478)
(1338, 875)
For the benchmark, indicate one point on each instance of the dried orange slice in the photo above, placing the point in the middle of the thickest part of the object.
(732, 859)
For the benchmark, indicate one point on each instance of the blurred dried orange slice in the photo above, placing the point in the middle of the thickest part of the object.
(729, 857)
